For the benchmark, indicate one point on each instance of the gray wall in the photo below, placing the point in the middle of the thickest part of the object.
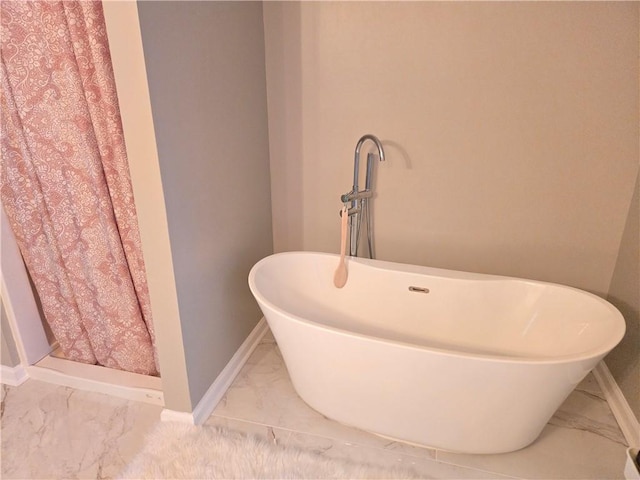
(206, 71)
(8, 351)
(624, 293)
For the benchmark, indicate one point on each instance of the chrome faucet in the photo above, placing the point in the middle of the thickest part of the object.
(359, 199)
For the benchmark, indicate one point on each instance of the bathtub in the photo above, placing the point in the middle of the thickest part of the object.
(450, 360)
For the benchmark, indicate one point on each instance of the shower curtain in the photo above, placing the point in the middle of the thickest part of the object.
(65, 183)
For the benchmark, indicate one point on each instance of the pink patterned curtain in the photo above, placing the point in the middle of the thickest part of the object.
(65, 183)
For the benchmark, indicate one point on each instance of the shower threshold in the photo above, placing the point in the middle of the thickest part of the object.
(95, 378)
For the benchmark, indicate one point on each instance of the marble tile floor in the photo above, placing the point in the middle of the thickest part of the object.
(49, 431)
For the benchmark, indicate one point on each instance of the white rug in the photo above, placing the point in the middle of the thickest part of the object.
(181, 451)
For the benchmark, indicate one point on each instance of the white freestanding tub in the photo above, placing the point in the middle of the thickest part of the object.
(452, 360)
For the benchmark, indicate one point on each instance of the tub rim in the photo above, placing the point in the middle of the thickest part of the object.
(411, 268)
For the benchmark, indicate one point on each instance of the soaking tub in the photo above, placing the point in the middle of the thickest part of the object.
(458, 361)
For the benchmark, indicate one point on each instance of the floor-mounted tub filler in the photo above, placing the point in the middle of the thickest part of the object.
(458, 361)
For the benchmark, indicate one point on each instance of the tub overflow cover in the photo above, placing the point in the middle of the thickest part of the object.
(418, 289)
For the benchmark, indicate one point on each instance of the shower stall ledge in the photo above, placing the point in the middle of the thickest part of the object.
(94, 378)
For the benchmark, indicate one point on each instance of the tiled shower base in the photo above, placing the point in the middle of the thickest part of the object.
(51, 431)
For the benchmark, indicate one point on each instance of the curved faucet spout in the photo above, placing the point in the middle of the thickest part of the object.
(375, 140)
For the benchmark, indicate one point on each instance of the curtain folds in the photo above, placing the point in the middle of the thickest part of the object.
(65, 183)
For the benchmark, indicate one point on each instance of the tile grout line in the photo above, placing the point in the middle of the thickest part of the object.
(491, 472)
(435, 451)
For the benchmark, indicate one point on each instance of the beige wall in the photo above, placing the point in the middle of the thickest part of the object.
(206, 73)
(511, 130)
(624, 361)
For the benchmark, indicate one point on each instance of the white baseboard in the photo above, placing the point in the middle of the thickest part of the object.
(619, 406)
(219, 387)
(13, 376)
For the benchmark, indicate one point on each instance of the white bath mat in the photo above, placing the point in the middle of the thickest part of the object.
(181, 451)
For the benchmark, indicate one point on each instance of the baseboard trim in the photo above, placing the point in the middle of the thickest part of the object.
(13, 376)
(221, 384)
(619, 406)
